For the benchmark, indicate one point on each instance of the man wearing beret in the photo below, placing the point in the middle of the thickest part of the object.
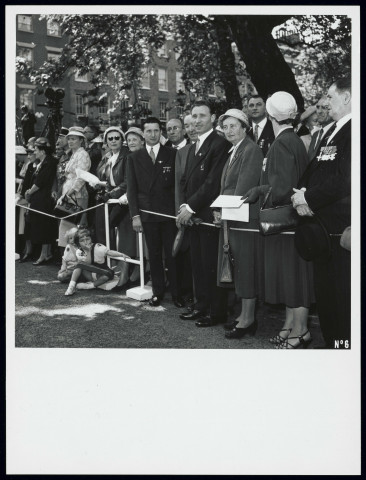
(200, 186)
(326, 193)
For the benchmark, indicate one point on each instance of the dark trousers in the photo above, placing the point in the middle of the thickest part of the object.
(184, 270)
(159, 236)
(204, 253)
(332, 285)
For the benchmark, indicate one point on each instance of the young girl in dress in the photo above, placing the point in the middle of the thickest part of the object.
(92, 263)
(69, 259)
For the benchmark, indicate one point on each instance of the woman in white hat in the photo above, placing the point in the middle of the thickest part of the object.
(242, 172)
(287, 277)
(111, 170)
(74, 186)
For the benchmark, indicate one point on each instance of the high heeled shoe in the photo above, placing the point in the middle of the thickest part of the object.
(277, 339)
(238, 332)
(302, 342)
(25, 258)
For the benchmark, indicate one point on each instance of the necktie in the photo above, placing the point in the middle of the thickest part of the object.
(318, 140)
(197, 146)
(256, 133)
(329, 133)
(152, 155)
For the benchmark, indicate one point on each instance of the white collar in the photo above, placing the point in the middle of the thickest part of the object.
(235, 147)
(180, 145)
(342, 121)
(261, 124)
(156, 148)
(203, 137)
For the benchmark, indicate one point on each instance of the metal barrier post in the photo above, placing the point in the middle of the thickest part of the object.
(106, 223)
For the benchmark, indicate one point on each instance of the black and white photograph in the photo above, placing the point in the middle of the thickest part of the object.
(184, 184)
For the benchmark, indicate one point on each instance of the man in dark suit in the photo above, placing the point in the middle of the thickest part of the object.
(150, 186)
(325, 122)
(326, 192)
(262, 129)
(183, 258)
(200, 186)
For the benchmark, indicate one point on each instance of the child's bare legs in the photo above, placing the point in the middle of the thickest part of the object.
(91, 283)
(74, 278)
(64, 276)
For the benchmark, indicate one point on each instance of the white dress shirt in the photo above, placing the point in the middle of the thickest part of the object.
(155, 148)
(261, 126)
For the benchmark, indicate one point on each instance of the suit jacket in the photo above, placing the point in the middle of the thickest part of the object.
(328, 181)
(243, 173)
(266, 138)
(118, 171)
(201, 180)
(314, 141)
(286, 161)
(180, 166)
(95, 154)
(151, 186)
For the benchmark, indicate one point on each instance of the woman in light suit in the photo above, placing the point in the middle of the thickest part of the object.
(242, 172)
(74, 186)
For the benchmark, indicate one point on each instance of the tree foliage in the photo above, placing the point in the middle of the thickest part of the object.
(118, 47)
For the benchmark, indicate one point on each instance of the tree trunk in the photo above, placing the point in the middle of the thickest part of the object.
(227, 63)
(263, 59)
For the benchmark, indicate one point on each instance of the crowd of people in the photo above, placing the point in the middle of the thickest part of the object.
(268, 155)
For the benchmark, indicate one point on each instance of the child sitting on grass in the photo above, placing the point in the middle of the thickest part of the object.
(69, 259)
(92, 263)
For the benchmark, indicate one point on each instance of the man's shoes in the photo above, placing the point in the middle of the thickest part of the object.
(192, 315)
(230, 325)
(210, 321)
(178, 301)
(155, 301)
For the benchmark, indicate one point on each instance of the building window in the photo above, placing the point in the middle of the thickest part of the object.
(145, 108)
(163, 113)
(104, 106)
(81, 108)
(26, 53)
(179, 82)
(163, 51)
(145, 81)
(81, 78)
(53, 28)
(53, 56)
(125, 105)
(163, 79)
(25, 23)
(26, 97)
(180, 112)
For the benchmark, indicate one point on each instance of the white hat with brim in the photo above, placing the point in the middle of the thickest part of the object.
(136, 131)
(235, 113)
(20, 150)
(77, 131)
(112, 129)
(282, 106)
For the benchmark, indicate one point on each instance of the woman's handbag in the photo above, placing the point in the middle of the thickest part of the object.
(227, 263)
(67, 207)
(277, 219)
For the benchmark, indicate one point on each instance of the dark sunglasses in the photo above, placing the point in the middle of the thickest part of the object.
(113, 138)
